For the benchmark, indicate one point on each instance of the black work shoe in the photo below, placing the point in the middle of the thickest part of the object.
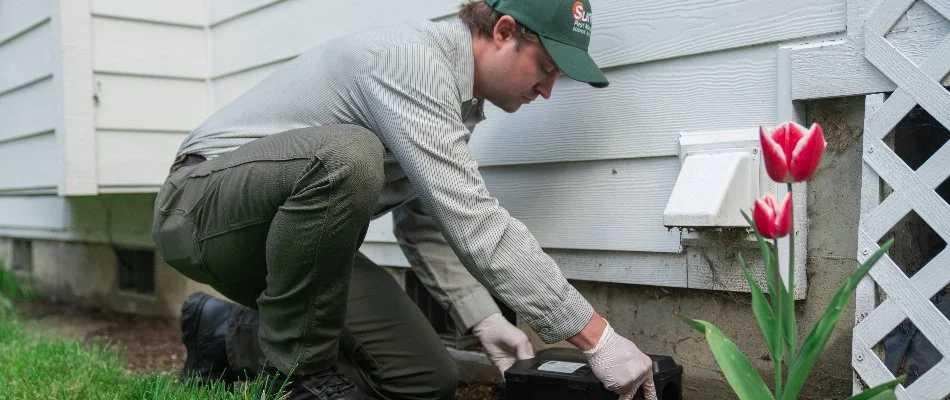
(324, 385)
(204, 330)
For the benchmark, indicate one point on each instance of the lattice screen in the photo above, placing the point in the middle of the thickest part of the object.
(902, 297)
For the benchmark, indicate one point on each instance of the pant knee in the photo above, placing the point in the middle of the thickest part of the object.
(358, 154)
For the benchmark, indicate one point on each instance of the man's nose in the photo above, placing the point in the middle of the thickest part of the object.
(545, 86)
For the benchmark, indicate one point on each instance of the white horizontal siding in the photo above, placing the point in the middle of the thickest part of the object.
(135, 159)
(220, 10)
(594, 205)
(28, 111)
(33, 212)
(30, 164)
(143, 48)
(27, 57)
(18, 15)
(628, 32)
(149, 104)
(226, 89)
(605, 266)
(286, 29)
(183, 12)
(640, 114)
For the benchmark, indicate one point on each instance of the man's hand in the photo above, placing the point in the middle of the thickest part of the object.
(503, 342)
(621, 366)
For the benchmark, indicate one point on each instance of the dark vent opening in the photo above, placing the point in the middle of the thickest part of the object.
(22, 258)
(136, 270)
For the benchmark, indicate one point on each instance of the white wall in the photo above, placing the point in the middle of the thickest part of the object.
(589, 171)
(151, 64)
(28, 162)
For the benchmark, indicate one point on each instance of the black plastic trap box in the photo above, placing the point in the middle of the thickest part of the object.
(563, 374)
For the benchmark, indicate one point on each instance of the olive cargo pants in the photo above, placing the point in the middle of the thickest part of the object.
(275, 226)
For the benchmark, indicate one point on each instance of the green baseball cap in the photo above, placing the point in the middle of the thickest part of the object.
(564, 27)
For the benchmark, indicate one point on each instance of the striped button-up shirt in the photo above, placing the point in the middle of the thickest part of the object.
(412, 85)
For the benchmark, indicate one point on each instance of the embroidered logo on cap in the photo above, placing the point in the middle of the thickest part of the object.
(582, 18)
(580, 14)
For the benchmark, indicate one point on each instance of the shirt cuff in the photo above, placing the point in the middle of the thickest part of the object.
(565, 320)
(473, 308)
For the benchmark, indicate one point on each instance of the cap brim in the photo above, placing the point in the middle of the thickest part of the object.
(575, 63)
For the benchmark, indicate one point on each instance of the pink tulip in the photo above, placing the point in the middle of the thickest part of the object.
(772, 222)
(791, 152)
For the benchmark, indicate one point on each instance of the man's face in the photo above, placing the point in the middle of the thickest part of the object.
(518, 74)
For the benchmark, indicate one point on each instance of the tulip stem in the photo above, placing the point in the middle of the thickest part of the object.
(792, 341)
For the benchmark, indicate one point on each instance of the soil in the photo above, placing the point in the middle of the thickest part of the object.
(149, 344)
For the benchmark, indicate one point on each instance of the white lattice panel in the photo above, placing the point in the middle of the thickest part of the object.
(906, 298)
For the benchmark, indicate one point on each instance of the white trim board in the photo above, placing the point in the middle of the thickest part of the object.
(76, 141)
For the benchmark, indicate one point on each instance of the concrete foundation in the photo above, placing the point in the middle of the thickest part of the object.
(87, 274)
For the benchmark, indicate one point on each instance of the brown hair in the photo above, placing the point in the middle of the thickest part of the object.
(481, 19)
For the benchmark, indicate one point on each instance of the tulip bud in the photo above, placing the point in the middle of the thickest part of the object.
(791, 152)
(771, 219)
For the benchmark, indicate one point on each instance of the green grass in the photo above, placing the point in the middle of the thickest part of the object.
(34, 367)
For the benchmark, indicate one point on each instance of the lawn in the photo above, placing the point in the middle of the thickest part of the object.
(35, 367)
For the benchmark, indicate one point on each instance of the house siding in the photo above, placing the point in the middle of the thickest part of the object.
(587, 171)
(27, 98)
(146, 48)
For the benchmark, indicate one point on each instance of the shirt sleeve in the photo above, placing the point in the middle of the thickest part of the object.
(439, 269)
(413, 104)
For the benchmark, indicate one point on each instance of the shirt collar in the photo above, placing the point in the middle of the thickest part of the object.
(460, 38)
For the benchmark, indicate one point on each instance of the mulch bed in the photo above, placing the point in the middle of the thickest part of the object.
(149, 344)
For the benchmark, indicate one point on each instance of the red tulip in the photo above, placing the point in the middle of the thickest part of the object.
(771, 221)
(791, 152)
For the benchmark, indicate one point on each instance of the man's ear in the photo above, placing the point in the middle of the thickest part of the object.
(504, 30)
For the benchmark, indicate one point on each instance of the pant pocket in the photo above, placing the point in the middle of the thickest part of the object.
(177, 243)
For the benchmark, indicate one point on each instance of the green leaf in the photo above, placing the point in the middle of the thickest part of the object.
(879, 392)
(740, 373)
(818, 337)
(764, 316)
